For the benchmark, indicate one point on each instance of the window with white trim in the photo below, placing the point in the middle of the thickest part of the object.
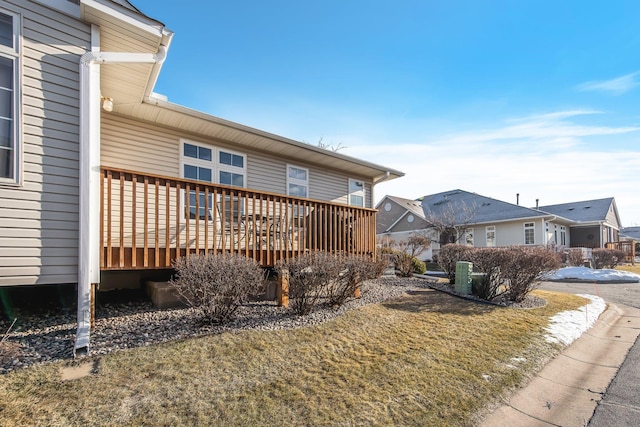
(490, 231)
(529, 233)
(206, 163)
(9, 105)
(297, 181)
(563, 235)
(468, 236)
(356, 192)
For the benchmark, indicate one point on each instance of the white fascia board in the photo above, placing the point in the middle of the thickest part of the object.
(127, 16)
(531, 218)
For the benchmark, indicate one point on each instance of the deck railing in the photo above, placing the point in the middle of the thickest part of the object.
(628, 247)
(150, 220)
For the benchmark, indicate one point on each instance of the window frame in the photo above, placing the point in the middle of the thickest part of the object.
(214, 165)
(14, 54)
(360, 193)
(529, 226)
(297, 181)
(490, 229)
(223, 167)
(468, 232)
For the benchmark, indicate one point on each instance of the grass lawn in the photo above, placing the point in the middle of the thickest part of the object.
(424, 359)
(629, 267)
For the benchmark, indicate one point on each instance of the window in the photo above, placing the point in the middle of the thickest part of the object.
(231, 168)
(529, 233)
(297, 181)
(491, 236)
(468, 236)
(205, 163)
(356, 193)
(563, 235)
(9, 107)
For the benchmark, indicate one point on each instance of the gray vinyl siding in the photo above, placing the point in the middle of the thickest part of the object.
(39, 218)
(144, 147)
(138, 146)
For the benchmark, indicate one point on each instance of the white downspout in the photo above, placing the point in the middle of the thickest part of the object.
(89, 173)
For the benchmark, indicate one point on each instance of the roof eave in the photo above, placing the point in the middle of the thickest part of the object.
(307, 152)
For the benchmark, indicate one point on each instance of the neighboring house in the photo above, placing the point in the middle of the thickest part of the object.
(398, 219)
(594, 222)
(630, 233)
(481, 221)
(103, 181)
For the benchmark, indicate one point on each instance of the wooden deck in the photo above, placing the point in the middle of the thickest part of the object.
(149, 220)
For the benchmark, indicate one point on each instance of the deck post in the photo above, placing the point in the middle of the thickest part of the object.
(282, 292)
(92, 304)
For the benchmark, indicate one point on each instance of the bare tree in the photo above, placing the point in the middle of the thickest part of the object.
(331, 147)
(417, 243)
(451, 219)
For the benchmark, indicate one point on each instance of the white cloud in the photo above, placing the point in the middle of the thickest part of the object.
(543, 157)
(617, 86)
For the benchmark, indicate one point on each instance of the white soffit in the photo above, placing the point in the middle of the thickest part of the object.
(179, 117)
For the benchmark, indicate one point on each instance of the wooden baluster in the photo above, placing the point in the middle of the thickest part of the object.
(121, 223)
(156, 234)
(187, 220)
(167, 223)
(178, 231)
(197, 207)
(134, 209)
(109, 221)
(102, 214)
(145, 230)
(206, 219)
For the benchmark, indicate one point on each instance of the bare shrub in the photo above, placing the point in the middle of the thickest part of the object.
(523, 268)
(217, 285)
(403, 263)
(608, 258)
(575, 257)
(309, 278)
(353, 271)
(379, 265)
(449, 255)
(489, 262)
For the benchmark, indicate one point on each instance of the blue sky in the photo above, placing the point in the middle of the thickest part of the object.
(539, 98)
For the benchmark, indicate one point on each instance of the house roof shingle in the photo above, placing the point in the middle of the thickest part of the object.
(584, 211)
(414, 206)
(481, 209)
(631, 232)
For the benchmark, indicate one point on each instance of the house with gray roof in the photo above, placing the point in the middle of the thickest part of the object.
(594, 222)
(459, 216)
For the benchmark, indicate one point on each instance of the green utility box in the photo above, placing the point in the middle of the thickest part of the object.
(464, 272)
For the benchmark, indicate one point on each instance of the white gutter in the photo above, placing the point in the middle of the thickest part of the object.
(89, 185)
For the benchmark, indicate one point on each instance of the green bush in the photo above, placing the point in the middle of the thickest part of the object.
(418, 266)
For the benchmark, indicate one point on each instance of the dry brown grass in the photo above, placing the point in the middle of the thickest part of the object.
(425, 359)
(633, 268)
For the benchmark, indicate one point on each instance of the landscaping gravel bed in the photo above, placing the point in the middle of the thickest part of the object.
(49, 335)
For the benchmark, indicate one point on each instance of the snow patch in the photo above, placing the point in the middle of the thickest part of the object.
(590, 275)
(567, 326)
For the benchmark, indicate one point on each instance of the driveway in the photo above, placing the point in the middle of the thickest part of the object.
(620, 406)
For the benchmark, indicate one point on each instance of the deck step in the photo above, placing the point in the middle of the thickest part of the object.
(163, 295)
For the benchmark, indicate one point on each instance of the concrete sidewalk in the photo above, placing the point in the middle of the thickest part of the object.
(567, 390)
